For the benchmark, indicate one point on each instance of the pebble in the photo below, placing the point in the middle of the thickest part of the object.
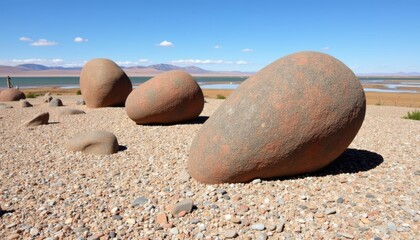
(346, 235)
(34, 231)
(230, 233)
(185, 205)
(262, 236)
(139, 201)
(391, 226)
(340, 200)
(199, 235)
(256, 181)
(330, 211)
(174, 231)
(258, 226)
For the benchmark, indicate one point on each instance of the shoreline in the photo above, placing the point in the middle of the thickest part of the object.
(372, 98)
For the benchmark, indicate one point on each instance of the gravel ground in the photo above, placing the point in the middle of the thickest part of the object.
(371, 192)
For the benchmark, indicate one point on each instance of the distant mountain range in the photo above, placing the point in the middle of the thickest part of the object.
(34, 70)
(41, 70)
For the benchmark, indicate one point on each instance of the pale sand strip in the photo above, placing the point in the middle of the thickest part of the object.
(48, 192)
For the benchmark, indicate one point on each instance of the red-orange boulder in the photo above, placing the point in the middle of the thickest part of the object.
(104, 84)
(294, 116)
(11, 94)
(168, 98)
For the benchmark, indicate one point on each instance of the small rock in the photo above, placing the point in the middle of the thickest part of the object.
(112, 234)
(185, 205)
(346, 235)
(174, 231)
(80, 102)
(117, 217)
(182, 213)
(55, 102)
(47, 98)
(230, 233)
(25, 104)
(4, 106)
(184, 176)
(71, 111)
(417, 173)
(139, 201)
(370, 195)
(39, 119)
(262, 236)
(391, 226)
(257, 180)
(131, 221)
(161, 218)
(80, 230)
(340, 200)
(242, 209)
(94, 142)
(34, 231)
(280, 226)
(199, 235)
(330, 211)
(258, 226)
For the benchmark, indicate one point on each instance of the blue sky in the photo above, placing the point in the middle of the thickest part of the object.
(369, 36)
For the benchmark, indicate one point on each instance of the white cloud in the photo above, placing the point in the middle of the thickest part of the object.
(166, 44)
(48, 62)
(247, 50)
(144, 60)
(43, 42)
(217, 46)
(206, 61)
(325, 48)
(25, 39)
(80, 39)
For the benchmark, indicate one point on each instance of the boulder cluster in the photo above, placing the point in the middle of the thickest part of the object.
(294, 116)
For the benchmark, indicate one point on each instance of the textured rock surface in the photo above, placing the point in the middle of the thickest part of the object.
(40, 119)
(104, 84)
(294, 116)
(11, 94)
(167, 98)
(94, 142)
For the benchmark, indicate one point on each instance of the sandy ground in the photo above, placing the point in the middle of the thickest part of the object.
(370, 192)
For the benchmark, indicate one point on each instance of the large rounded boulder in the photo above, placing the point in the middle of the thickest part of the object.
(168, 98)
(295, 116)
(104, 84)
(11, 94)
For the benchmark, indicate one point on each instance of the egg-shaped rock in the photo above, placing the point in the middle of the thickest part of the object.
(11, 94)
(168, 98)
(104, 84)
(295, 116)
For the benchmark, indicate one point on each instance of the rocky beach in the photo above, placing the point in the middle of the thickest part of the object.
(144, 191)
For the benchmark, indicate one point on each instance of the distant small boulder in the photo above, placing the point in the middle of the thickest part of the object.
(4, 106)
(104, 84)
(11, 94)
(55, 102)
(168, 98)
(25, 103)
(47, 98)
(94, 142)
(39, 119)
(80, 102)
(71, 111)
